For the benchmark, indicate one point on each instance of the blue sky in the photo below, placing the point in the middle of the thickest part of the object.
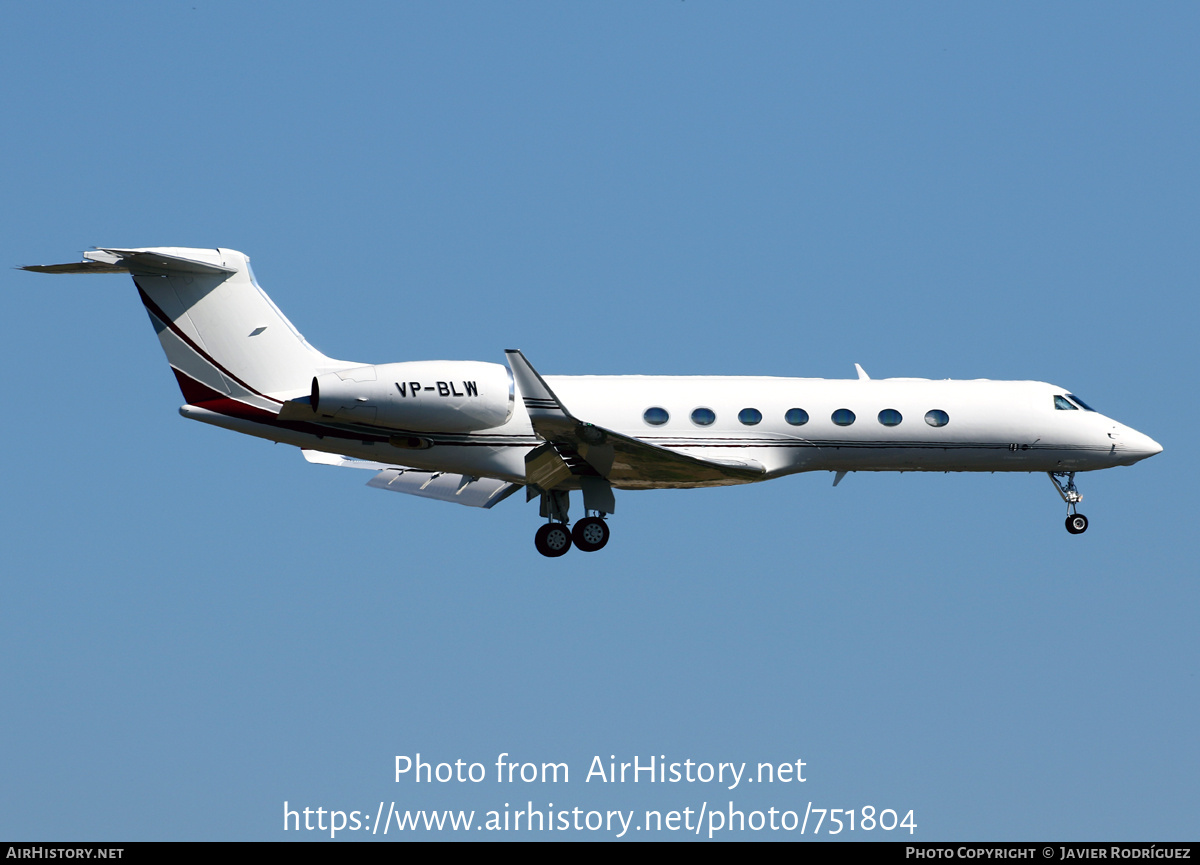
(196, 626)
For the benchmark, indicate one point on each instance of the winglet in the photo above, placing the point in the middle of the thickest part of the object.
(540, 401)
(862, 373)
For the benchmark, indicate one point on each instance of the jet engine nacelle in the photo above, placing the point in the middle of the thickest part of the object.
(423, 396)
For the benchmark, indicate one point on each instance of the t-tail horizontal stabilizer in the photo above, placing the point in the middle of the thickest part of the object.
(146, 260)
(624, 461)
(443, 486)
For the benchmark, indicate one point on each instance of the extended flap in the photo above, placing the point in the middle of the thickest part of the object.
(445, 486)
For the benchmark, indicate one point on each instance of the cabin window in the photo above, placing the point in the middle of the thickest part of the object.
(1063, 404)
(656, 416)
(1083, 405)
(703, 416)
(843, 417)
(796, 416)
(937, 417)
(750, 416)
(890, 417)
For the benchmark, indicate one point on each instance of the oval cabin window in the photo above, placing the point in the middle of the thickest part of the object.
(656, 416)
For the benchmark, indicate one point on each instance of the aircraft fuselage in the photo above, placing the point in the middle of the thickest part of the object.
(988, 426)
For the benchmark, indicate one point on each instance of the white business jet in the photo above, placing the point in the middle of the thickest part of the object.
(474, 433)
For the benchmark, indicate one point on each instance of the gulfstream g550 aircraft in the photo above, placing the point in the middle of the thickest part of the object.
(474, 433)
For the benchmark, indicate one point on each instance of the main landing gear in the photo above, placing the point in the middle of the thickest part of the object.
(1076, 523)
(554, 539)
(591, 533)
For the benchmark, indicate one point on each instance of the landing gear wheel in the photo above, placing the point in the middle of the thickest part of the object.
(553, 539)
(1077, 524)
(590, 534)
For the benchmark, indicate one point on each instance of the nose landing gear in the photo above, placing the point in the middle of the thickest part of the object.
(1076, 523)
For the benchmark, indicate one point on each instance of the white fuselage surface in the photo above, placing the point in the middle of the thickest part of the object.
(988, 426)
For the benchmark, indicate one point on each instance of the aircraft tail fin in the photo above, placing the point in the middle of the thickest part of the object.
(222, 335)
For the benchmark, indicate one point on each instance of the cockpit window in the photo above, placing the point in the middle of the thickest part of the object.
(1063, 404)
(1083, 405)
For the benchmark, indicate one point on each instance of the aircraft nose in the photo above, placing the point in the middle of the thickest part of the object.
(1139, 446)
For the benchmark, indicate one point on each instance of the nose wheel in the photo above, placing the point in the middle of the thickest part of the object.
(1076, 523)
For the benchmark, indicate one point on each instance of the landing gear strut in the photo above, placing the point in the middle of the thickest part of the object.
(590, 534)
(1076, 523)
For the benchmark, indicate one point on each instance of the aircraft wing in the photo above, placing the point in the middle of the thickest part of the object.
(444, 486)
(624, 461)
